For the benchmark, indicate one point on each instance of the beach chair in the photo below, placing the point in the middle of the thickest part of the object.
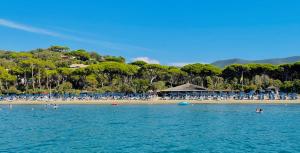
(271, 95)
(241, 95)
(261, 96)
(251, 94)
(282, 96)
(293, 96)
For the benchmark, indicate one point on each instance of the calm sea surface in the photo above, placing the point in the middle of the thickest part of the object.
(150, 128)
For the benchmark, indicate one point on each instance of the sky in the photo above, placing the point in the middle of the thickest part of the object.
(172, 32)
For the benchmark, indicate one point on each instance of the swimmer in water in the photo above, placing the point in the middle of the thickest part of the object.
(55, 106)
(259, 110)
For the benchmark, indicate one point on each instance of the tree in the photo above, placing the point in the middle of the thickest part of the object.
(201, 71)
(131, 72)
(60, 49)
(287, 86)
(96, 56)
(250, 87)
(261, 69)
(285, 71)
(258, 81)
(114, 69)
(138, 63)
(141, 85)
(152, 71)
(40, 69)
(65, 87)
(235, 71)
(78, 78)
(51, 76)
(6, 63)
(92, 82)
(295, 70)
(35, 65)
(80, 55)
(159, 85)
(296, 85)
(64, 74)
(5, 79)
(217, 82)
(47, 55)
(114, 59)
(20, 56)
(5, 54)
(276, 83)
(98, 70)
(176, 75)
(209, 82)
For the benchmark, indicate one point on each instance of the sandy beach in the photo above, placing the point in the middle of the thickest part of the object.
(148, 102)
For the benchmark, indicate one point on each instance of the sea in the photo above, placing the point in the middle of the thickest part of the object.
(203, 128)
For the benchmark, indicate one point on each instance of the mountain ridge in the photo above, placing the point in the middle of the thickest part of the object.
(275, 61)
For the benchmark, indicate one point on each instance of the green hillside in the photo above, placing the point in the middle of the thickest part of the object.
(59, 69)
(274, 61)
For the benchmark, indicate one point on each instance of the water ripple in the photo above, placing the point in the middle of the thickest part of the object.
(157, 128)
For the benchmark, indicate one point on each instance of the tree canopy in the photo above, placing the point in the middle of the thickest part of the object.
(42, 70)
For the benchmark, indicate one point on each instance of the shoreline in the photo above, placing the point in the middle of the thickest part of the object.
(147, 102)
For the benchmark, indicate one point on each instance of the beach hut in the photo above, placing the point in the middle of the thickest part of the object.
(185, 89)
(191, 91)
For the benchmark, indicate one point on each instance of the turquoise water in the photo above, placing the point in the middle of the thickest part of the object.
(153, 128)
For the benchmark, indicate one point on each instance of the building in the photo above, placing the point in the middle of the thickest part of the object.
(76, 66)
(67, 57)
(186, 88)
(192, 90)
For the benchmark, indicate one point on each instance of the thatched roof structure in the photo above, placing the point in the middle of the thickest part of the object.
(272, 88)
(185, 87)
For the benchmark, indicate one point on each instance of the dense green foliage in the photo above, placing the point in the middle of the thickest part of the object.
(45, 70)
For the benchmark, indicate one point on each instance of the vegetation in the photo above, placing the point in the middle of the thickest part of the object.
(45, 70)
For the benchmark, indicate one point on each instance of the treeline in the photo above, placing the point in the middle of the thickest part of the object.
(45, 70)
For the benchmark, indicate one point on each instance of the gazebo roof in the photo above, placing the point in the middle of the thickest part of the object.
(272, 88)
(186, 87)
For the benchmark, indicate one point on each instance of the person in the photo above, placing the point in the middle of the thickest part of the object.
(55, 106)
(259, 110)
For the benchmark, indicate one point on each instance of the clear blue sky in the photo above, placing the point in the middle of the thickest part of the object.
(170, 31)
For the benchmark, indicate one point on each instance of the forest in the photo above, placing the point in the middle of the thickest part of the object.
(52, 70)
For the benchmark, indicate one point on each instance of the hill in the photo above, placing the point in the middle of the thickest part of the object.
(275, 61)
